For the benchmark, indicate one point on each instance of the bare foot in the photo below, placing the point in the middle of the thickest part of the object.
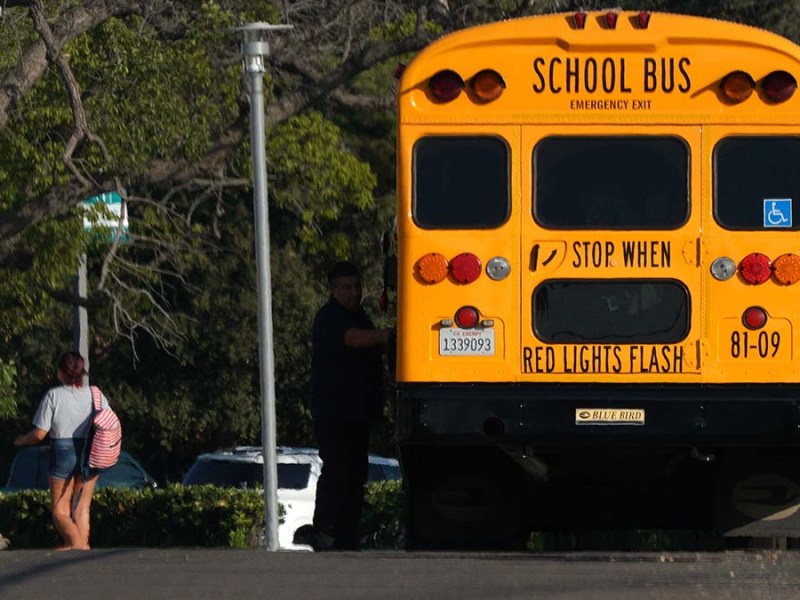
(65, 548)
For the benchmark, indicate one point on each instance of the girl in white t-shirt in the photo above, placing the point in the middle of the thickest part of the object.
(65, 413)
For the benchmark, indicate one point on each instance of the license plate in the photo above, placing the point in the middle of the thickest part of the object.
(773, 342)
(466, 342)
(609, 416)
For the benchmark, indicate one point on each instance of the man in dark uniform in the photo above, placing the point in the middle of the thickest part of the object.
(346, 394)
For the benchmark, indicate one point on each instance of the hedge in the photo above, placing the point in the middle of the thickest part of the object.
(182, 516)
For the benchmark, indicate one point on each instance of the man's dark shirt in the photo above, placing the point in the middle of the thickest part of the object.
(346, 383)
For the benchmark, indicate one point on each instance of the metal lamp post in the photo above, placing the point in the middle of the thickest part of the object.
(254, 48)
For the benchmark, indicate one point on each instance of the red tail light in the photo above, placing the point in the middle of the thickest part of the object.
(580, 19)
(611, 19)
(644, 19)
(754, 317)
(446, 85)
(467, 317)
(755, 268)
(465, 268)
(779, 86)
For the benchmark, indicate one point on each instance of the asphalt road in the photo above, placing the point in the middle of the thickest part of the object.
(199, 573)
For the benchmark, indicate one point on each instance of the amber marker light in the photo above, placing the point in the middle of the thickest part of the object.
(737, 86)
(487, 85)
(432, 268)
(787, 268)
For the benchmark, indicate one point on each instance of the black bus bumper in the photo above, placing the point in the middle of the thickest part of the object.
(726, 457)
(546, 415)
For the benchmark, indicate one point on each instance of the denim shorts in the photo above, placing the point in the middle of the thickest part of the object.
(65, 457)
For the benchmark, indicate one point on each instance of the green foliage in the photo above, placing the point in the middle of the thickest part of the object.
(316, 181)
(174, 516)
(383, 520)
(152, 100)
(183, 516)
(8, 387)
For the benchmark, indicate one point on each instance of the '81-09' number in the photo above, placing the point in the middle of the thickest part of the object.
(749, 344)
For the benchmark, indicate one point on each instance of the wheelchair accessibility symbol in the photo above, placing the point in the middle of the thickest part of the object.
(778, 212)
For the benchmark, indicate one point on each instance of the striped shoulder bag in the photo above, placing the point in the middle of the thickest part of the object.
(105, 435)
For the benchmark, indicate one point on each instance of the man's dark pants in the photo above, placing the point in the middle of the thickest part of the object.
(344, 449)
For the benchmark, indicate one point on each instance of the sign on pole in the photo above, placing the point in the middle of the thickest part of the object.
(106, 211)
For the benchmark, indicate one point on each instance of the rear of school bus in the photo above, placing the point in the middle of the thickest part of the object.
(597, 279)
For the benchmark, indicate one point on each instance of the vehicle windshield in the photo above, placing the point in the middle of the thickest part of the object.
(246, 474)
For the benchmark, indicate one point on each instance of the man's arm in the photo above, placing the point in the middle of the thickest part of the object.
(366, 338)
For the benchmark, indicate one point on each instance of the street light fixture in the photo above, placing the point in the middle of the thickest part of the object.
(255, 48)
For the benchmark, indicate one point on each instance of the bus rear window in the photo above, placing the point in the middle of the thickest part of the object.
(637, 182)
(756, 180)
(461, 182)
(632, 311)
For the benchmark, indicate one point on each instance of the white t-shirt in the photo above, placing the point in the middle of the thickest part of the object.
(65, 411)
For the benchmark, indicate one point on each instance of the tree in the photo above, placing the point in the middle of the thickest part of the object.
(145, 97)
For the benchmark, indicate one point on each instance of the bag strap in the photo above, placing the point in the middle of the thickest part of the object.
(97, 398)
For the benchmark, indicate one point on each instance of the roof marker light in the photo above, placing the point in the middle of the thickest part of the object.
(643, 18)
(737, 86)
(779, 86)
(611, 19)
(446, 85)
(580, 19)
(488, 85)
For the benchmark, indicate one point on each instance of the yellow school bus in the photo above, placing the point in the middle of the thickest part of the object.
(598, 270)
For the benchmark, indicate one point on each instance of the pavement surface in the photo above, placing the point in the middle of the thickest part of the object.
(152, 574)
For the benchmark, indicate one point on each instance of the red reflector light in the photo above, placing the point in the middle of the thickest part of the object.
(467, 317)
(446, 85)
(488, 85)
(611, 19)
(755, 268)
(643, 18)
(754, 317)
(580, 19)
(779, 86)
(737, 86)
(465, 268)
